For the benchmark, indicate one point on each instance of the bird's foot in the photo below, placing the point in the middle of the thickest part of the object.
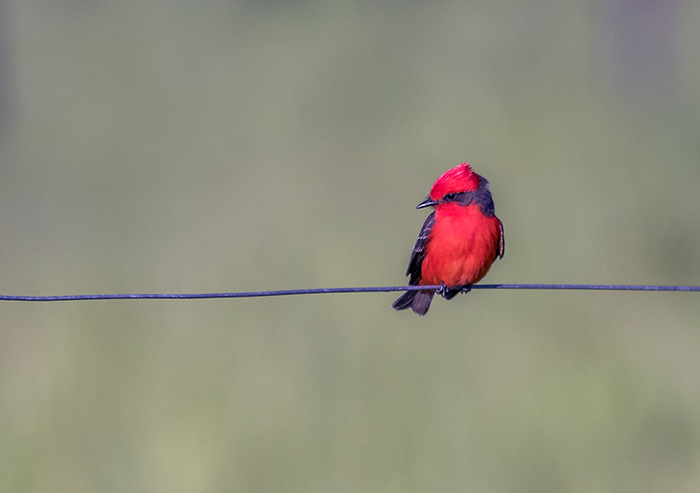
(448, 293)
(442, 290)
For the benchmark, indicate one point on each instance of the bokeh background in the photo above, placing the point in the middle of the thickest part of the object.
(211, 145)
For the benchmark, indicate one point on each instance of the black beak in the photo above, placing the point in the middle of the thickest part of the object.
(426, 203)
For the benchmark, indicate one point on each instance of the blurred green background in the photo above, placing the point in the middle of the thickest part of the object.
(205, 146)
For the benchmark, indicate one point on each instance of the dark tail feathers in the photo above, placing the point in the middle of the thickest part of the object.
(418, 301)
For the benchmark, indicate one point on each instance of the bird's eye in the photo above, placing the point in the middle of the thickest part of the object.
(450, 196)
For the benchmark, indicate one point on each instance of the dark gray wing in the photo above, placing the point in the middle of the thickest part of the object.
(501, 241)
(418, 254)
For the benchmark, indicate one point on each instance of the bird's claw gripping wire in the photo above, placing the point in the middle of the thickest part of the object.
(448, 293)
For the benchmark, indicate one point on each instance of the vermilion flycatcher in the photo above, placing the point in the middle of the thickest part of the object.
(458, 242)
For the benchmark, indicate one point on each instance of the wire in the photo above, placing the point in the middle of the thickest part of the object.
(288, 292)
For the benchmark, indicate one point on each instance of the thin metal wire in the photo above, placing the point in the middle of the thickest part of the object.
(288, 292)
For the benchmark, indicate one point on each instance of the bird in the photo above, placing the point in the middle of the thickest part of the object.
(458, 242)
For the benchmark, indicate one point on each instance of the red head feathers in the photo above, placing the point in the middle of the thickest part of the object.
(458, 179)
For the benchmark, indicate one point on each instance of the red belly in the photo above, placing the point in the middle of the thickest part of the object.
(462, 246)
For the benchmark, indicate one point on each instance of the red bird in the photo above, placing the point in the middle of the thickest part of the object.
(458, 242)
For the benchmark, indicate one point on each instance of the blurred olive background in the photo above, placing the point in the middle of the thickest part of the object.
(206, 146)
